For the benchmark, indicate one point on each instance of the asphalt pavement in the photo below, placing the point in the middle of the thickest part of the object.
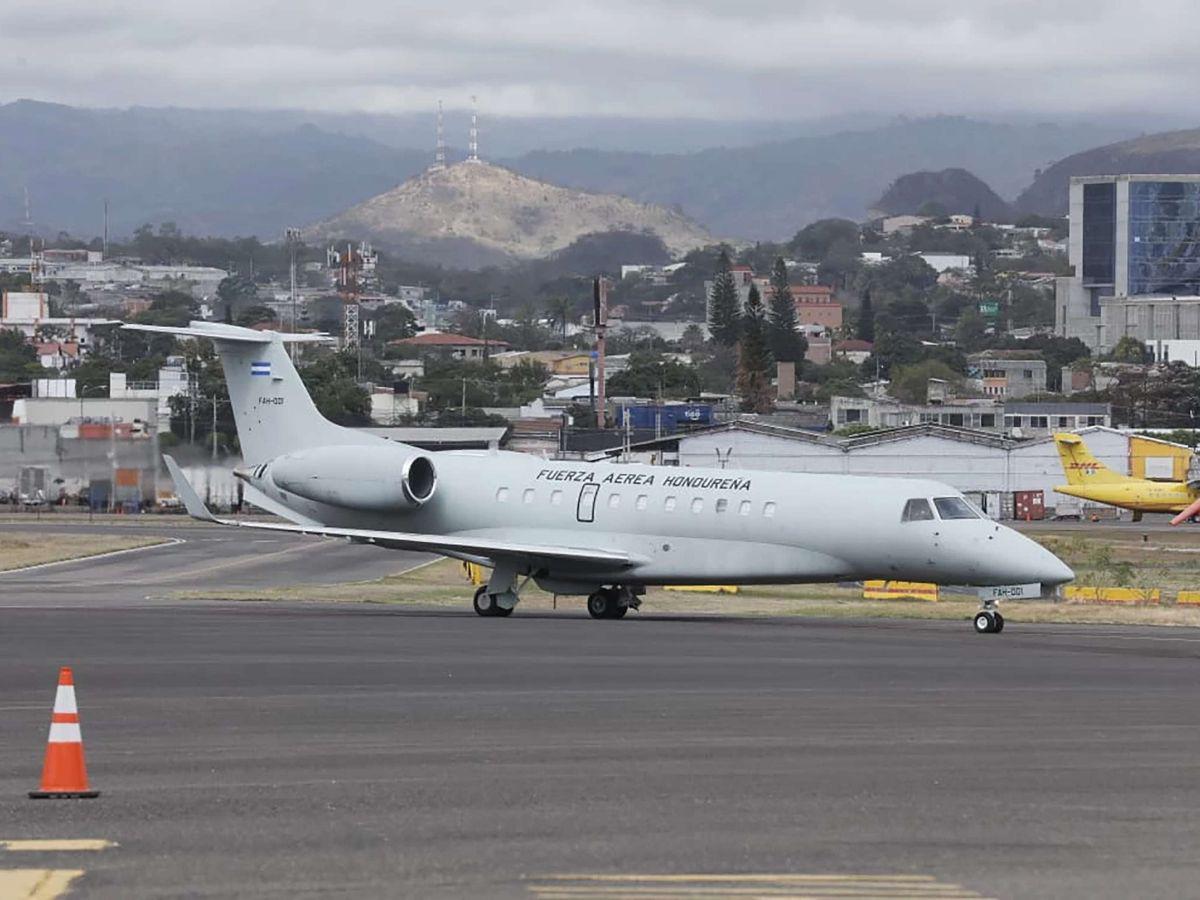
(286, 749)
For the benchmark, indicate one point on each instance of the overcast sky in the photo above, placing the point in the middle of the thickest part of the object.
(776, 59)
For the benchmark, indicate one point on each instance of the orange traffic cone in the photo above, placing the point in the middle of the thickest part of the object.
(64, 775)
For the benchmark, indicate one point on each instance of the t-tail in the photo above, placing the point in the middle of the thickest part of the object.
(1080, 467)
(271, 406)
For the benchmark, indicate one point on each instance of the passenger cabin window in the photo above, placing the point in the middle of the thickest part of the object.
(669, 504)
(722, 505)
(556, 498)
(642, 501)
(527, 496)
(954, 508)
(917, 510)
(744, 508)
(697, 505)
(769, 509)
(614, 500)
(502, 495)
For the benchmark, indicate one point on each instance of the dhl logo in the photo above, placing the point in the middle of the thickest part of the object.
(1087, 468)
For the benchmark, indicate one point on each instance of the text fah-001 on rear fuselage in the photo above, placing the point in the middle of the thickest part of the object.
(605, 531)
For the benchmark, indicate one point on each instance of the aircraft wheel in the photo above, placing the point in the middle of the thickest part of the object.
(999, 623)
(985, 622)
(483, 603)
(619, 611)
(601, 604)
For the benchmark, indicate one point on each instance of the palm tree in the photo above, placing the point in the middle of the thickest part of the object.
(559, 311)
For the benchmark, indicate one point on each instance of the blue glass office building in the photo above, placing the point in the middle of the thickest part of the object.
(1135, 237)
(1164, 237)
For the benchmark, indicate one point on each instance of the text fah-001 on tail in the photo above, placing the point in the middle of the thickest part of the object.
(602, 531)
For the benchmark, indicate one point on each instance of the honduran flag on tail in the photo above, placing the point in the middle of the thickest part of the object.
(260, 368)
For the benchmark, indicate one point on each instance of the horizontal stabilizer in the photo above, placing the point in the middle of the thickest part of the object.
(447, 544)
(220, 332)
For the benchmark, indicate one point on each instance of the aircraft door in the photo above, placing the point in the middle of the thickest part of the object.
(585, 511)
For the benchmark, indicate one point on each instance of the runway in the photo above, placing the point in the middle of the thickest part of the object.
(301, 750)
(307, 750)
(207, 557)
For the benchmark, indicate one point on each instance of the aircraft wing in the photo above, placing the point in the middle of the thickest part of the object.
(448, 544)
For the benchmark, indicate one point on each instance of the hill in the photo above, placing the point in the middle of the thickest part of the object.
(1169, 153)
(954, 190)
(477, 214)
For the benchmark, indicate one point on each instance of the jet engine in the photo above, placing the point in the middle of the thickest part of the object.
(382, 478)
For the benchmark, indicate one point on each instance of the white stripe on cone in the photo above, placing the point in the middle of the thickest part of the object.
(65, 733)
(64, 699)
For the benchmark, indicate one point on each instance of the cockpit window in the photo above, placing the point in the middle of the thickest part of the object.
(916, 510)
(954, 508)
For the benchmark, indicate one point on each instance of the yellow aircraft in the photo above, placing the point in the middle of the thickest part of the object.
(1090, 479)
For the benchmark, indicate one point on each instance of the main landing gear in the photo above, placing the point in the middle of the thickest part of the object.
(988, 620)
(488, 604)
(612, 603)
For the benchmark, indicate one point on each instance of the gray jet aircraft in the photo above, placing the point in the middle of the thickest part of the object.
(603, 531)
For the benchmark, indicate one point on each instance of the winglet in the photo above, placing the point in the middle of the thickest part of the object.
(191, 500)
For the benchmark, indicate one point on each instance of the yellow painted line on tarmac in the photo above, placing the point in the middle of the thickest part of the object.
(36, 884)
(52, 845)
(723, 879)
(796, 890)
(597, 886)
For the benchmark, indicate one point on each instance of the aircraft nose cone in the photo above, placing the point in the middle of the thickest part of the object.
(1054, 571)
(1040, 564)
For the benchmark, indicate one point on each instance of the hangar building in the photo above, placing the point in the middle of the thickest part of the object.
(987, 466)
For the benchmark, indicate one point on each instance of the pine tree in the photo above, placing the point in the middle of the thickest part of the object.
(754, 357)
(787, 345)
(866, 320)
(723, 312)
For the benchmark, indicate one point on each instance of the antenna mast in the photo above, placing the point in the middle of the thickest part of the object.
(473, 146)
(439, 159)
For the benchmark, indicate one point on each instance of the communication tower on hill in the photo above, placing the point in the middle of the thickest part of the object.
(439, 158)
(473, 146)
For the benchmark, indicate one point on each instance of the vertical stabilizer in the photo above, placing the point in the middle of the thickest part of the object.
(1080, 467)
(271, 406)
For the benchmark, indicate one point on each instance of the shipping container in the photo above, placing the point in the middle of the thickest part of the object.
(99, 492)
(669, 417)
(128, 478)
(1029, 506)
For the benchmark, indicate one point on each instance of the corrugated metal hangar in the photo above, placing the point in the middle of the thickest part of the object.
(991, 468)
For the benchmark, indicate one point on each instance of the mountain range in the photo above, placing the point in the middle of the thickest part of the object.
(240, 172)
(1169, 153)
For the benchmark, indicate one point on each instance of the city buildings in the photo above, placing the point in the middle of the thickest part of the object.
(1006, 374)
(454, 346)
(29, 313)
(1134, 246)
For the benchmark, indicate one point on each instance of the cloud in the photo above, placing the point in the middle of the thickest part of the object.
(679, 58)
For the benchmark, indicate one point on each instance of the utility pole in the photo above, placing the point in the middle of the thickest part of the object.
(292, 236)
(600, 323)
(214, 428)
(464, 399)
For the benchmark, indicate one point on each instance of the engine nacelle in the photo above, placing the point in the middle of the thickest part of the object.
(381, 478)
